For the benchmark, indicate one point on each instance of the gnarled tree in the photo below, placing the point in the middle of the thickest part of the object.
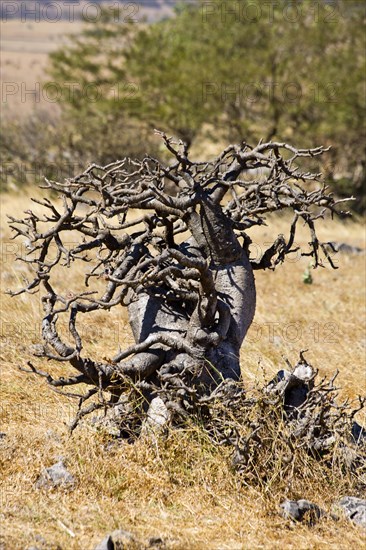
(171, 242)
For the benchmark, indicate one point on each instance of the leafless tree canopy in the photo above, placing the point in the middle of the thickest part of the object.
(171, 243)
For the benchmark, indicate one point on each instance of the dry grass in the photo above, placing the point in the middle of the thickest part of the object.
(180, 488)
(25, 47)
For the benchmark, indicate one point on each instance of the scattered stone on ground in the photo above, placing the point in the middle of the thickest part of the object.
(299, 510)
(354, 509)
(55, 476)
(124, 540)
(293, 385)
(157, 416)
(109, 422)
(157, 543)
(359, 434)
(118, 540)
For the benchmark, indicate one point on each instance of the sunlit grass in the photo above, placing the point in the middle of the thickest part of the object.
(180, 488)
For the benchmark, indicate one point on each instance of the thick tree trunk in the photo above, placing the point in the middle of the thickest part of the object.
(235, 285)
(213, 239)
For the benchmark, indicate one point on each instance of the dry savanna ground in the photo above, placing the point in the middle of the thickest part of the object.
(25, 46)
(179, 488)
(26, 42)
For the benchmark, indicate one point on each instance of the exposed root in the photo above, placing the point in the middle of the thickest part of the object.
(293, 424)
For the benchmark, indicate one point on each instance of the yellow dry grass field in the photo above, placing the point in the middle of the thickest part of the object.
(179, 488)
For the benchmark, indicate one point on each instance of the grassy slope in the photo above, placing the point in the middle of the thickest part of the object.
(181, 489)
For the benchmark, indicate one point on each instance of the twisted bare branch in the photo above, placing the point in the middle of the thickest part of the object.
(169, 241)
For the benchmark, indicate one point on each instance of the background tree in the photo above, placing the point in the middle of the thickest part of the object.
(217, 72)
(88, 93)
(229, 71)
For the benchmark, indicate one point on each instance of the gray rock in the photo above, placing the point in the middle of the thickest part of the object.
(290, 509)
(297, 509)
(41, 540)
(358, 434)
(111, 421)
(117, 540)
(157, 416)
(354, 509)
(41, 544)
(55, 476)
(294, 386)
(157, 543)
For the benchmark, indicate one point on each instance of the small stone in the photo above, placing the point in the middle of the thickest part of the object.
(158, 414)
(298, 509)
(358, 434)
(55, 476)
(113, 431)
(354, 509)
(290, 510)
(157, 543)
(303, 372)
(157, 417)
(117, 540)
(41, 544)
(40, 539)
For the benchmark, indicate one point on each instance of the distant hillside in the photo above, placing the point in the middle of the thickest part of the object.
(31, 11)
